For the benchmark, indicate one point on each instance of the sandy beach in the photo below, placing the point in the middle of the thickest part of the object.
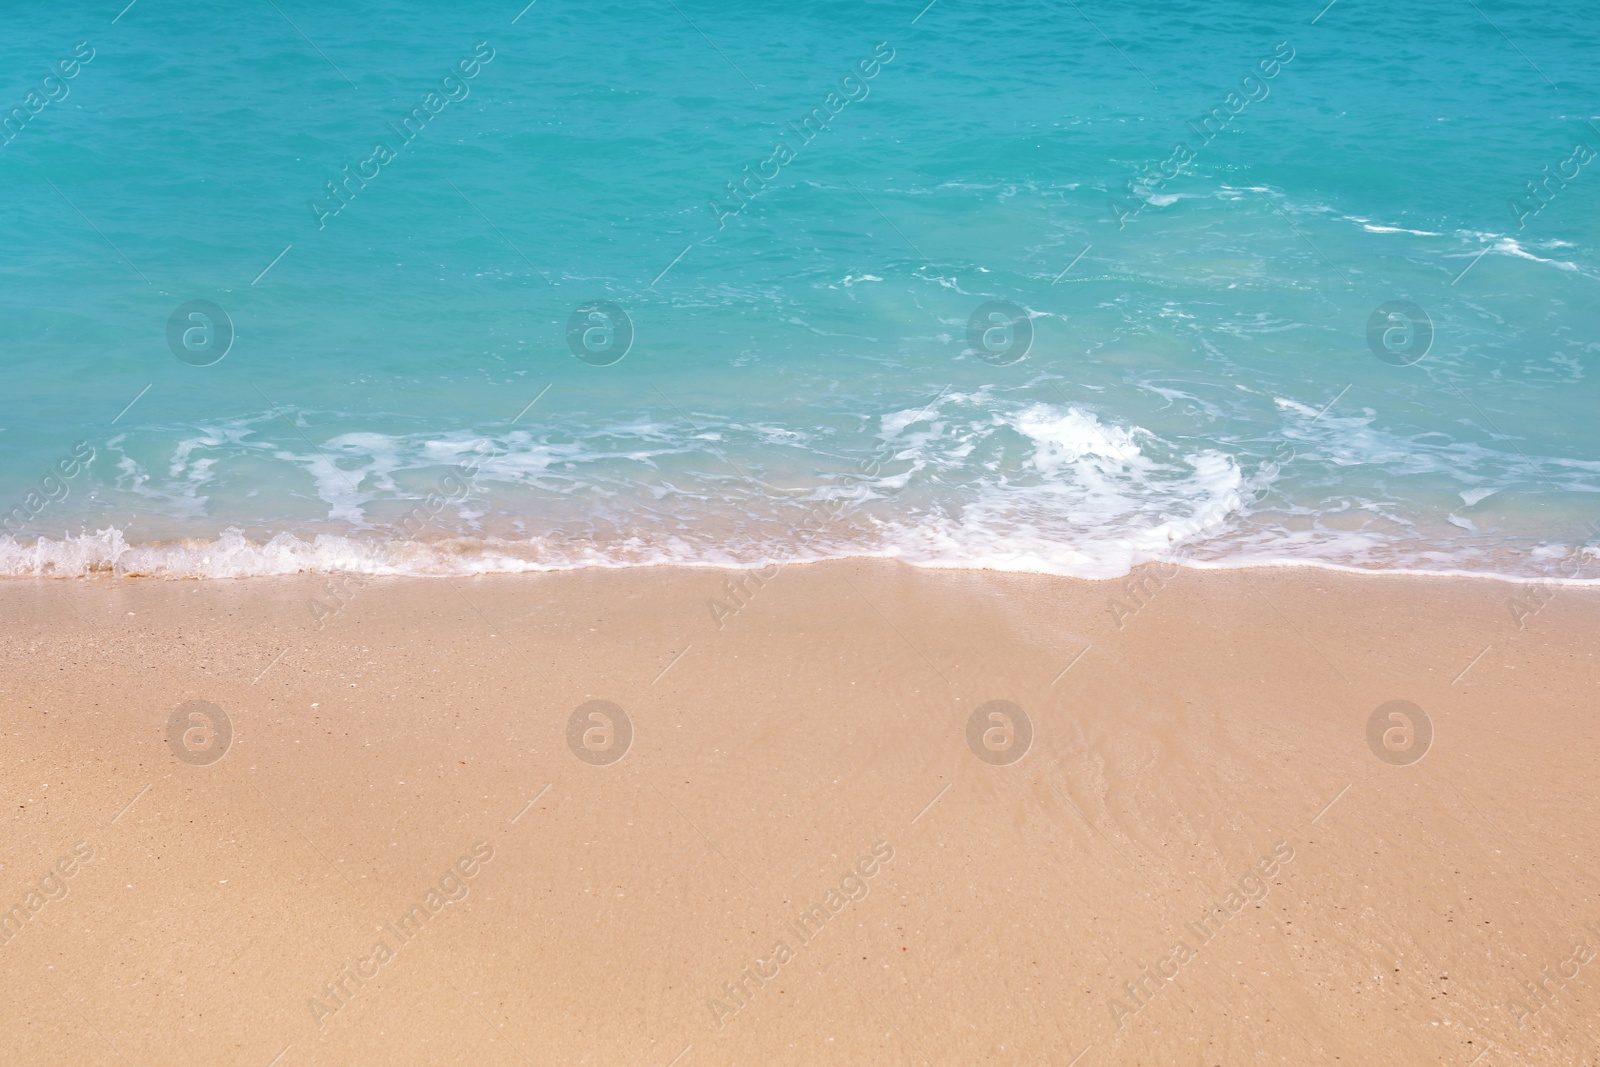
(1165, 432)
(649, 817)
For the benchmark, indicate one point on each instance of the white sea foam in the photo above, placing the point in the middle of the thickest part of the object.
(1510, 247)
(974, 479)
(1370, 228)
(985, 538)
(1020, 487)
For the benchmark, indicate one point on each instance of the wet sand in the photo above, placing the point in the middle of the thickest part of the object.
(798, 830)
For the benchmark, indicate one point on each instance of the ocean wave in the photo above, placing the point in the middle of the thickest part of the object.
(989, 478)
(971, 479)
(977, 544)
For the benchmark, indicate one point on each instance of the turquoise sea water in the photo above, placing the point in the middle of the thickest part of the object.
(1174, 223)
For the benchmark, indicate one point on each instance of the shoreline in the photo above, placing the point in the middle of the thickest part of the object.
(1103, 866)
(161, 557)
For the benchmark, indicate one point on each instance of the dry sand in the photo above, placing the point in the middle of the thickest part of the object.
(1199, 859)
